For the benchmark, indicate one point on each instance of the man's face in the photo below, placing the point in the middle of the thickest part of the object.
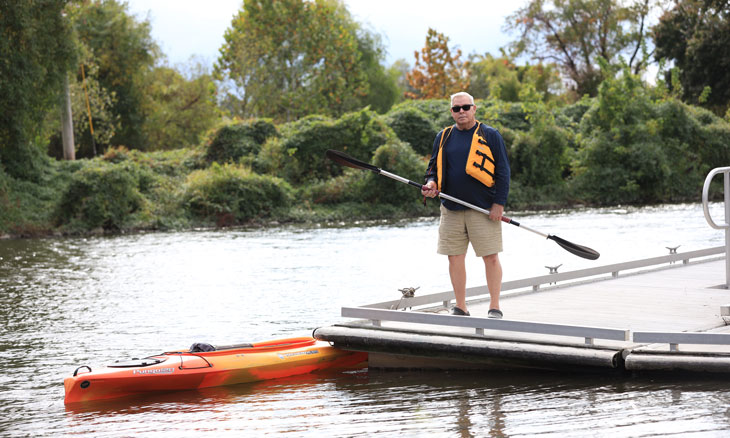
(463, 119)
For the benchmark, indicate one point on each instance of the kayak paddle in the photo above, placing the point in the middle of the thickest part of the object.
(346, 160)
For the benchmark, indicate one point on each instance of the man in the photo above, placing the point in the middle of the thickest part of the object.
(469, 162)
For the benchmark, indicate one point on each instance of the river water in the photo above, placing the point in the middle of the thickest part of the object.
(90, 301)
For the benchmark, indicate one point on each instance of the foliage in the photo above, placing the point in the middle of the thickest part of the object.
(100, 195)
(341, 189)
(26, 206)
(621, 159)
(413, 126)
(504, 115)
(228, 194)
(124, 52)
(291, 58)
(499, 78)
(539, 157)
(575, 33)
(438, 73)
(383, 90)
(436, 110)
(399, 158)
(399, 72)
(100, 102)
(701, 139)
(569, 116)
(178, 110)
(695, 35)
(36, 50)
(162, 176)
(237, 140)
(300, 155)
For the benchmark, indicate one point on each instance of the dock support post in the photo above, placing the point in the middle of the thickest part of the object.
(589, 341)
(726, 226)
(673, 347)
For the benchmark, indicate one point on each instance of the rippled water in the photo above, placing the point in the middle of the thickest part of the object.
(89, 301)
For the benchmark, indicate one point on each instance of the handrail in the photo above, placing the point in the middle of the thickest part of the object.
(375, 316)
(676, 338)
(708, 217)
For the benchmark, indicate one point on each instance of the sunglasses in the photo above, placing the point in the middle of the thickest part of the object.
(457, 108)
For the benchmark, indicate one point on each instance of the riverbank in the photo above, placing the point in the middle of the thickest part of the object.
(252, 172)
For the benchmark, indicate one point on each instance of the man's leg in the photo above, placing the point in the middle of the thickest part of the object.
(457, 272)
(494, 279)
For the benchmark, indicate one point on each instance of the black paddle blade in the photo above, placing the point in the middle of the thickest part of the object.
(579, 250)
(346, 160)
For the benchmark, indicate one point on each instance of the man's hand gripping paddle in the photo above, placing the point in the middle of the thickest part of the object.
(346, 160)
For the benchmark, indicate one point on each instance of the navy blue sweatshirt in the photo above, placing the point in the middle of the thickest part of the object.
(457, 182)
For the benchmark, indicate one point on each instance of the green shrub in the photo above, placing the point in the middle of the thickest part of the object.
(116, 155)
(343, 188)
(399, 158)
(696, 141)
(510, 115)
(176, 163)
(300, 155)
(623, 155)
(715, 150)
(413, 126)
(615, 174)
(569, 116)
(538, 158)
(231, 143)
(704, 116)
(229, 194)
(9, 213)
(100, 195)
(436, 111)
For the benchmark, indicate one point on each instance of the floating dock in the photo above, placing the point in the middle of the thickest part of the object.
(662, 314)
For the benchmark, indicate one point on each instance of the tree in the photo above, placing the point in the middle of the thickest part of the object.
(502, 79)
(36, 50)
(695, 35)
(574, 33)
(123, 49)
(178, 110)
(437, 73)
(383, 90)
(291, 58)
(85, 88)
(399, 71)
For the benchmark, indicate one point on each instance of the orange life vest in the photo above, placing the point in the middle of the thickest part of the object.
(479, 163)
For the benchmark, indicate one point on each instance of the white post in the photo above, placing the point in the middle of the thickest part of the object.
(726, 225)
(67, 124)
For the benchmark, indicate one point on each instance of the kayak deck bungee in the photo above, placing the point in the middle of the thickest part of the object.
(228, 365)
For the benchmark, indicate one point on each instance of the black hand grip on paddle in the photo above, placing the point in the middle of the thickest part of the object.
(346, 160)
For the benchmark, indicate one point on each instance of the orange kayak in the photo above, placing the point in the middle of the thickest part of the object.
(175, 371)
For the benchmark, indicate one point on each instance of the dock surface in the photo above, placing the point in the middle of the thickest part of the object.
(679, 307)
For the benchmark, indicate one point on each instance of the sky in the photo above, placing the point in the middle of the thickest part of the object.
(187, 28)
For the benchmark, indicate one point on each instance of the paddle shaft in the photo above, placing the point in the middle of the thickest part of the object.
(346, 160)
(459, 201)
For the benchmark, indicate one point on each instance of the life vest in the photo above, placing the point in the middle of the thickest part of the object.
(479, 163)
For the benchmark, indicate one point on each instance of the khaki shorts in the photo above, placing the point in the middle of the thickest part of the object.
(458, 228)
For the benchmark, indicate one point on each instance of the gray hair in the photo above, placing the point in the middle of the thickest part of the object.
(462, 93)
